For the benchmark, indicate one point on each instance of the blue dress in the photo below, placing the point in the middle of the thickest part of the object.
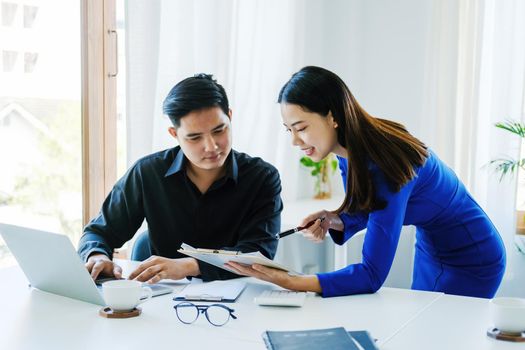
(458, 250)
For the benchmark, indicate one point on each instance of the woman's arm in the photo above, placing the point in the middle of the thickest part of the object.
(304, 283)
(379, 247)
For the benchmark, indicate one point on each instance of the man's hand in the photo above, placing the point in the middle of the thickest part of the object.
(318, 230)
(156, 268)
(100, 264)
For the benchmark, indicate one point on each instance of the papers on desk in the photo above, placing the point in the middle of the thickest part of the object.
(223, 291)
(220, 257)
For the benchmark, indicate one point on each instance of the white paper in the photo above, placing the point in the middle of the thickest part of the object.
(211, 291)
(219, 259)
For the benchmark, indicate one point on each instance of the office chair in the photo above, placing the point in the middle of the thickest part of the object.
(141, 248)
(400, 275)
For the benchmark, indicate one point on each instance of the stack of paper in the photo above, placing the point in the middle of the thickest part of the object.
(223, 291)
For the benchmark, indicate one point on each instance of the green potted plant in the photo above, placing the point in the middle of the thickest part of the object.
(322, 171)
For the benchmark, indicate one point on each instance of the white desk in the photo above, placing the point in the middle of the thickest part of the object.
(451, 322)
(31, 319)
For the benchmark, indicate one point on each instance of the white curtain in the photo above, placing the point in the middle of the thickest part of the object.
(251, 47)
(476, 63)
(475, 78)
(142, 53)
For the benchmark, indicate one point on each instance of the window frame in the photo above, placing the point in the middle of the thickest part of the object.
(99, 108)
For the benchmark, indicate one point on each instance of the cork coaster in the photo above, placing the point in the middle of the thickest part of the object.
(514, 337)
(108, 313)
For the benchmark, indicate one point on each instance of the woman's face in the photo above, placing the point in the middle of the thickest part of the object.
(314, 134)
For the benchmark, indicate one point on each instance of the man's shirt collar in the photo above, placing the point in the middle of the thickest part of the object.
(177, 165)
(180, 161)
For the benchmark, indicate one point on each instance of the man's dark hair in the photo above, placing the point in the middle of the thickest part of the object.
(194, 93)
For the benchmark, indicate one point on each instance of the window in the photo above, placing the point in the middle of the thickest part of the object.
(6, 121)
(8, 13)
(30, 13)
(40, 147)
(56, 116)
(30, 59)
(9, 60)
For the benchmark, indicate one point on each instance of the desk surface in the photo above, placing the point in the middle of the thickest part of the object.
(399, 319)
(451, 322)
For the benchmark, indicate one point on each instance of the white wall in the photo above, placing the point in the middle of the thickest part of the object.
(380, 53)
(379, 50)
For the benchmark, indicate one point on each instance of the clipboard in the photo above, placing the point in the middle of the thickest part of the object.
(220, 291)
(218, 258)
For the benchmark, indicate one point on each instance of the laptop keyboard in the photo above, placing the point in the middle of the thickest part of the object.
(157, 289)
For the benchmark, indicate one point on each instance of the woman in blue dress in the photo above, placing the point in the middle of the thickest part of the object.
(391, 179)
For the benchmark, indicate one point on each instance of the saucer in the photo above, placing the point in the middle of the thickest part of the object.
(107, 312)
(497, 334)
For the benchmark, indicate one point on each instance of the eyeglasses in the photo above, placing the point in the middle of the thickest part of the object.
(217, 314)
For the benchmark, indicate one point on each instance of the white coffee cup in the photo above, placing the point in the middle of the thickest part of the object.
(125, 295)
(508, 314)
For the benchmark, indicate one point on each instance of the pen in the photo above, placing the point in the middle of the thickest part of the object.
(203, 297)
(218, 251)
(297, 229)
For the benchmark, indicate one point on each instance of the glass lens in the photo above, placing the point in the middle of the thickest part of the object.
(217, 315)
(187, 312)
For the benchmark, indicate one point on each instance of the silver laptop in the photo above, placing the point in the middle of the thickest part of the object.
(51, 264)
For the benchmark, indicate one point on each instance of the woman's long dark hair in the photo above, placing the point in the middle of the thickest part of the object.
(386, 143)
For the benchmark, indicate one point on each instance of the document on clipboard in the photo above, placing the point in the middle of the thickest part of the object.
(222, 291)
(220, 257)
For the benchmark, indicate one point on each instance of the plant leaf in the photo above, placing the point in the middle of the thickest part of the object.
(512, 126)
(307, 162)
(334, 165)
(506, 166)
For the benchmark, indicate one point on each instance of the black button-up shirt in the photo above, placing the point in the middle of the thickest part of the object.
(240, 211)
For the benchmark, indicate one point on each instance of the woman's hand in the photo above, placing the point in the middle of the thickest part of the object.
(317, 232)
(268, 274)
(281, 278)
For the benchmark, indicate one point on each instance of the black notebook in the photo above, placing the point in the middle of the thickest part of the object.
(330, 338)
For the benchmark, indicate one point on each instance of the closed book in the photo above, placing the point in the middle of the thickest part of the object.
(364, 339)
(318, 339)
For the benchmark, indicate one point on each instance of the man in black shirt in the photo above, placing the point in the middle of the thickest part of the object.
(201, 193)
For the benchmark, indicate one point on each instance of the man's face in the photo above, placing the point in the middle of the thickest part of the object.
(205, 137)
